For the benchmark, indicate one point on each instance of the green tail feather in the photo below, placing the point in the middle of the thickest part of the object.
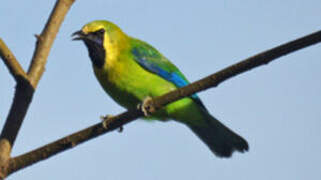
(221, 140)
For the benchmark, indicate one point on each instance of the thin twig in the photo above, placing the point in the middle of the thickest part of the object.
(46, 39)
(115, 122)
(11, 62)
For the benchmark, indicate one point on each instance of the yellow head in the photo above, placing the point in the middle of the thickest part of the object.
(101, 38)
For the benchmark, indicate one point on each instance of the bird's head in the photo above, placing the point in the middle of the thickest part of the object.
(100, 37)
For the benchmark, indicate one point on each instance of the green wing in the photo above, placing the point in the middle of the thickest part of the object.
(153, 61)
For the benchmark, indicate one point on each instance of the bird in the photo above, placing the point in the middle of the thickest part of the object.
(131, 70)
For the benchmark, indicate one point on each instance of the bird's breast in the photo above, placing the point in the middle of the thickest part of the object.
(117, 82)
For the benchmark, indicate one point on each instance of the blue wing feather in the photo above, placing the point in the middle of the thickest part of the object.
(151, 60)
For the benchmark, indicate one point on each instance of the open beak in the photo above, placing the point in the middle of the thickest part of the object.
(78, 35)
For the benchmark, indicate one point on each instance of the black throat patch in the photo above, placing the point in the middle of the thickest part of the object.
(94, 42)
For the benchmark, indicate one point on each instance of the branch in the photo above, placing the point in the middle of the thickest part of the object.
(26, 86)
(22, 98)
(115, 122)
(25, 89)
(11, 62)
(46, 39)
(262, 58)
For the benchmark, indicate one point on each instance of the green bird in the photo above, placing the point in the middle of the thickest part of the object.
(130, 70)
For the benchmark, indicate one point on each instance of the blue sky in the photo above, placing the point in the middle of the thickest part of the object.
(275, 107)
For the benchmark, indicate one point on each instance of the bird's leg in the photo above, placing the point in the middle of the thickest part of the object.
(146, 106)
(105, 122)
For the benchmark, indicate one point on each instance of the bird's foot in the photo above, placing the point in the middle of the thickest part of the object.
(146, 106)
(105, 122)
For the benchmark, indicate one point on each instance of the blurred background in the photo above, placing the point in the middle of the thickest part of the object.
(277, 107)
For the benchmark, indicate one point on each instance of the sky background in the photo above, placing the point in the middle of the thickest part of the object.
(277, 107)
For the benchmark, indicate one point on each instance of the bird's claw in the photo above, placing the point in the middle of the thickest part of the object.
(105, 122)
(146, 106)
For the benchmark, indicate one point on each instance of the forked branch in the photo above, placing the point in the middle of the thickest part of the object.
(27, 83)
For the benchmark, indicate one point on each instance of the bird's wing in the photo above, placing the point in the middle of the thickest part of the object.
(151, 60)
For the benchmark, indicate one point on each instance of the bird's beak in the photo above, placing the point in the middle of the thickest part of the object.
(78, 35)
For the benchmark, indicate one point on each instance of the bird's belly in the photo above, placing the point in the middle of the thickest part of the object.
(119, 92)
(131, 87)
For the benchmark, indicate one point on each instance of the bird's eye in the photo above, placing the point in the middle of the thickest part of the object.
(101, 31)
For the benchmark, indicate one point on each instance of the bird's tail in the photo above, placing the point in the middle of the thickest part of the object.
(220, 139)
